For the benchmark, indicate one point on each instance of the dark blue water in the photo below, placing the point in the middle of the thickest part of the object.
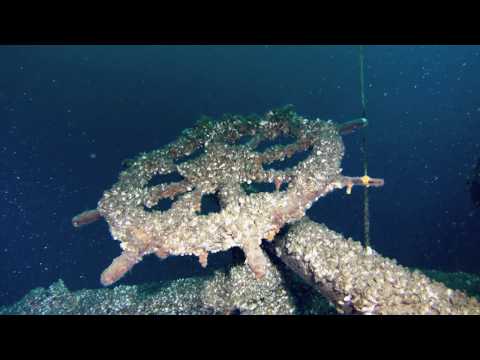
(69, 115)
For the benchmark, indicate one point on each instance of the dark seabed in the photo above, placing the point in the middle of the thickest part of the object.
(71, 114)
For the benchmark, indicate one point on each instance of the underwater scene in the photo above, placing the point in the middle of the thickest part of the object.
(239, 179)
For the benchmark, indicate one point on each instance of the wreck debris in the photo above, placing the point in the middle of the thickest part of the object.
(360, 281)
(234, 292)
(86, 217)
(356, 280)
(222, 168)
(353, 278)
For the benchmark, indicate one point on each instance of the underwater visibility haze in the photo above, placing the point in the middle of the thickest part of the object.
(196, 133)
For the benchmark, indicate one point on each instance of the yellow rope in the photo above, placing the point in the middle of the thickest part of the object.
(365, 178)
(362, 81)
(366, 209)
